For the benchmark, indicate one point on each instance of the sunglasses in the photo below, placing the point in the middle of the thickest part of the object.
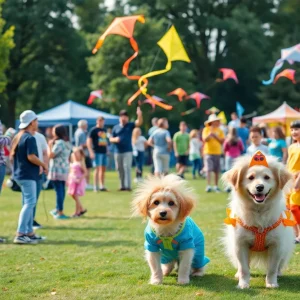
(257, 158)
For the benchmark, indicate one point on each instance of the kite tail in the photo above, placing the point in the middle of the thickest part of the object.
(188, 112)
(126, 64)
(277, 66)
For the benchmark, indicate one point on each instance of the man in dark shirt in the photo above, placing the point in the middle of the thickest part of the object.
(97, 145)
(121, 136)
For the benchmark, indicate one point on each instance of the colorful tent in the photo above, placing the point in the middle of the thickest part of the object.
(284, 114)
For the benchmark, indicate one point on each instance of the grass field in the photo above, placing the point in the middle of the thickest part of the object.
(100, 256)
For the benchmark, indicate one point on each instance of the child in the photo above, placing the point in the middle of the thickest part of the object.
(139, 143)
(76, 181)
(256, 139)
(293, 165)
(233, 147)
(195, 151)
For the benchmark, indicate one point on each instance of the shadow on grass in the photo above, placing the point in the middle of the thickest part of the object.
(79, 228)
(107, 218)
(289, 283)
(97, 244)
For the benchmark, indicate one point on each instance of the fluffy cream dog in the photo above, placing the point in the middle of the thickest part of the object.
(259, 231)
(171, 236)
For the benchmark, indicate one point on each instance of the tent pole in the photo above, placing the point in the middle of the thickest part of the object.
(71, 133)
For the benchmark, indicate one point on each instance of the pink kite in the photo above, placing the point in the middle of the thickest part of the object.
(228, 74)
(288, 73)
(153, 105)
(180, 93)
(198, 97)
(94, 95)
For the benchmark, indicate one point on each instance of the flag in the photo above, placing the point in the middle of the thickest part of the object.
(239, 109)
(222, 116)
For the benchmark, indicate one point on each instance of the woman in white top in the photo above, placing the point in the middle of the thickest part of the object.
(139, 143)
(195, 151)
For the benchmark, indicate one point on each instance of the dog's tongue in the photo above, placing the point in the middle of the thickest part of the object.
(259, 197)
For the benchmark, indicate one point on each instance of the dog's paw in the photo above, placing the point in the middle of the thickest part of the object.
(155, 281)
(183, 280)
(272, 285)
(243, 285)
(237, 275)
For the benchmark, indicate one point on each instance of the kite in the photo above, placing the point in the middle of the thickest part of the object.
(291, 55)
(222, 117)
(94, 95)
(180, 93)
(173, 48)
(228, 74)
(239, 109)
(198, 98)
(123, 26)
(288, 73)
(148, 101)
(212, 110)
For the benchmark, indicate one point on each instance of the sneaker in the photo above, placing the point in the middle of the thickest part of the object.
(128, 190)
(36, 237)
(61, 217)
(36, 225)
(89, 187)
(2, 240)
(24, 240)
(53, 212)
(216, 189)
(95, 189)
(76, 216)
(103, 189)
(83, 212)
(208, 189)
(122, 189)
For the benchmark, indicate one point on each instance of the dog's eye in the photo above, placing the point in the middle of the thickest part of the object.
(156, 202)
(251, 177)
(171, 203)
(267, 177)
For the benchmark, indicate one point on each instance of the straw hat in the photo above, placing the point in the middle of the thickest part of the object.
(212, 118)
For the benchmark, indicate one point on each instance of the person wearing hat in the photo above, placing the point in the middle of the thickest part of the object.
(121, 137)
(213, 138)
(24, 153)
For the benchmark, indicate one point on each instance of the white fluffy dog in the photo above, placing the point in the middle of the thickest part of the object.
(259, 231)
(171, 236)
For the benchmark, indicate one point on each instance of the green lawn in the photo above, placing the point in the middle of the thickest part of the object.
(100, 256)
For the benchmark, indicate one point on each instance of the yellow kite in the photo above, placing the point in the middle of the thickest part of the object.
(172, 45)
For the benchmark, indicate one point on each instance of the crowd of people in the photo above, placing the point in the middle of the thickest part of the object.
(209, 151)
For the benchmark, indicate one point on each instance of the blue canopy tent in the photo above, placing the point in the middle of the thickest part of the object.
(70, 112)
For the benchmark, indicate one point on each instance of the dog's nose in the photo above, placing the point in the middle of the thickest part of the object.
(163, 213)
(260, 187)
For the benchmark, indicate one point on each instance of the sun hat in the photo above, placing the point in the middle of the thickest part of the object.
(212, 118)
(26, 118)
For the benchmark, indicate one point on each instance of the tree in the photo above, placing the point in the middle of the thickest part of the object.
(48, 65)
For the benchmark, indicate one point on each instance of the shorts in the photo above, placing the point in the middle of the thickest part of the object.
(100, 160)
(161, 163)
(212, 163)
(88, 162)
(182, 159)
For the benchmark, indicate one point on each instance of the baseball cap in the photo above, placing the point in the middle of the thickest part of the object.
(123, 112)
(26, 118)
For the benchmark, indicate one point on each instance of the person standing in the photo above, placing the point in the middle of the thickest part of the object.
(213, 138)
(235, 121)
(243, 133)
(5, 141)
(97, 144)
(121, 137)
(256, 142)
(27, 167)
(154, 123)
(181, 144)
(80, 137)
(161, 142)
(59, 153)
(42, 147)
(277, 145)
(195, 152)
(139, 144)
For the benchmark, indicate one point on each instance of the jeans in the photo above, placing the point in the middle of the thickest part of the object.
(161, 162)
(228, 162)
(28, 188)
(196, 166)
(2, 175)
(60, 190)
(139, 162)
(39, 187)
(123, 163)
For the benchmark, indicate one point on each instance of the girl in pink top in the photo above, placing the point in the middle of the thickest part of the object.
(233, 147)
(76, 180)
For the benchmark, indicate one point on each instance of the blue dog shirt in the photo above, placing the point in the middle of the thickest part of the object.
(189, 236)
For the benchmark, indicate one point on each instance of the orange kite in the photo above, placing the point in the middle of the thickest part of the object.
(180, 93)
(288, 73)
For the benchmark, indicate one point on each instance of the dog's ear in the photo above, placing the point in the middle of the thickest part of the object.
(233, 176)
(186, 206)
(283, 176)
(140, 206)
